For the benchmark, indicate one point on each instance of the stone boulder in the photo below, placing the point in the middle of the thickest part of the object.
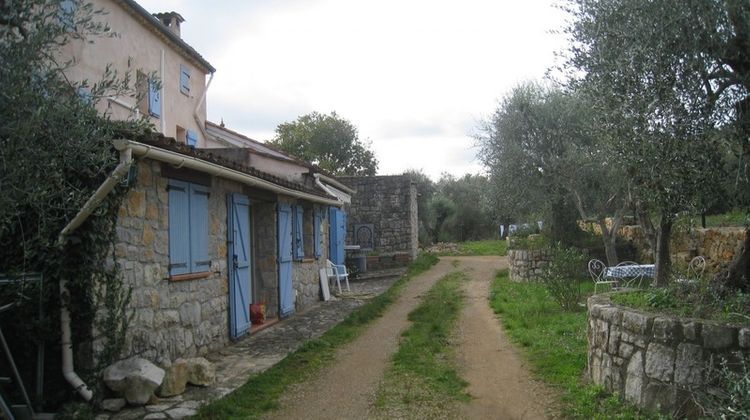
(175, 379)
(201, 372)
(113, 404)
(134, 378)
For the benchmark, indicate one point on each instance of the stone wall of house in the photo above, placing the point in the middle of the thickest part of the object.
(389, 203)
(527, 265)
(185, 318)
(655, 361)
(171, 319)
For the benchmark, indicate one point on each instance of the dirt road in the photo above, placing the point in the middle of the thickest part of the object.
(499, 382)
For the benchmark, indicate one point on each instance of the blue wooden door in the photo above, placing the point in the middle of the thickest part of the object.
(238, 232)
(286, 292)
(337, 235)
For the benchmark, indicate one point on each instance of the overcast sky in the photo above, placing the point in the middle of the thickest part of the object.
(414, 76)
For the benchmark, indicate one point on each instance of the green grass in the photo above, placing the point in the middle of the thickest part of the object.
(422, 381)
(486, 247)
(555, 343)
(732, 218)
(261, 393)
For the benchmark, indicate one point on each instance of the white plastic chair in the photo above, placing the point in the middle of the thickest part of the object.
(337, 272)
(597, 270)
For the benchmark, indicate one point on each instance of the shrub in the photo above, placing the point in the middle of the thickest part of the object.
(562, 276)
(729, 395)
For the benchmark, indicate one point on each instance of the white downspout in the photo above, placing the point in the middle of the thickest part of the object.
(201, 124)
(126, 158)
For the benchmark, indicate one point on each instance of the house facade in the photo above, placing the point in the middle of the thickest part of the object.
(213, 221)
(168, 82)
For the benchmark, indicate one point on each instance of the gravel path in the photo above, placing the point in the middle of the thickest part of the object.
(499, 382)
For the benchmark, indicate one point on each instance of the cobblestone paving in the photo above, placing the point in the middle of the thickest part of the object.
(235, 364)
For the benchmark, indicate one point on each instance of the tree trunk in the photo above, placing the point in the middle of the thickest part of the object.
(648, 229)
(609, 238)
(663, 259)
(737, 275)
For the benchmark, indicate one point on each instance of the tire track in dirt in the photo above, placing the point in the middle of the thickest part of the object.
(500, 383)
(347, 388)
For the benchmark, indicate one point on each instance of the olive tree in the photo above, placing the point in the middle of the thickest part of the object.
(663, 77)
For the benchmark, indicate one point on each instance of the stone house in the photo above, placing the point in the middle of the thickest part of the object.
(213, 220)
(382, 219)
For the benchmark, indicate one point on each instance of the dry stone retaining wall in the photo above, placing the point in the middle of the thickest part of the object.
(655, 361)
(527, 265)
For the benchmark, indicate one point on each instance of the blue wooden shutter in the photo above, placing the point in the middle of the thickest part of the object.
(184, 79)
(191, 138)
(316, 233)
(199, 229)
(179, 227)
(238, 236)
(285, 239)
(299, 250)
(154, 98)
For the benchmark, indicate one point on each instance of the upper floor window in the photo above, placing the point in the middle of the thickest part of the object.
(184, 79)
(154, 98)
(66, 13)
(191, 138)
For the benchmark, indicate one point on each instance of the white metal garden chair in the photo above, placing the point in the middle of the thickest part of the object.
(597, 270)
(629, 277)
(337, 272)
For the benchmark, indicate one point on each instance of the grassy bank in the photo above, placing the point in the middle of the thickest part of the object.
(554, 341)
(261, 393)
(486, 247)
(422, 381)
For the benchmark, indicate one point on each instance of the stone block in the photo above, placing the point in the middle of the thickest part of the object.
(201, 372)
(634, 379)
(626, 350)
(660, 362)
(635, 339)
(611, 314)
(689, 365)
(636, 322)
(659, 397)
(190, 314)
(744, 338)
(664, 329)
(614, 340)
(691, 330)
(113, 404)
(175, 379)
(717, 336)
(135, 379)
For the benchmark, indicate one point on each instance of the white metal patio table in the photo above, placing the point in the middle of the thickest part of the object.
(633, 272)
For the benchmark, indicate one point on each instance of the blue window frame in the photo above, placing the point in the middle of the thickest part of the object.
(188, 228)
(191, 138)
(184, 79)
(154, 98)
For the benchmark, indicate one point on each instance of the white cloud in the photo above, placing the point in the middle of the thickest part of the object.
(407, 73)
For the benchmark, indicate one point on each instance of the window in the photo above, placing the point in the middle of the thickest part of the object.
(191, 138)
(306, 232)
(184, 79)
(154, 98)
(317, 238)
(188, 228)
(66, 14)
